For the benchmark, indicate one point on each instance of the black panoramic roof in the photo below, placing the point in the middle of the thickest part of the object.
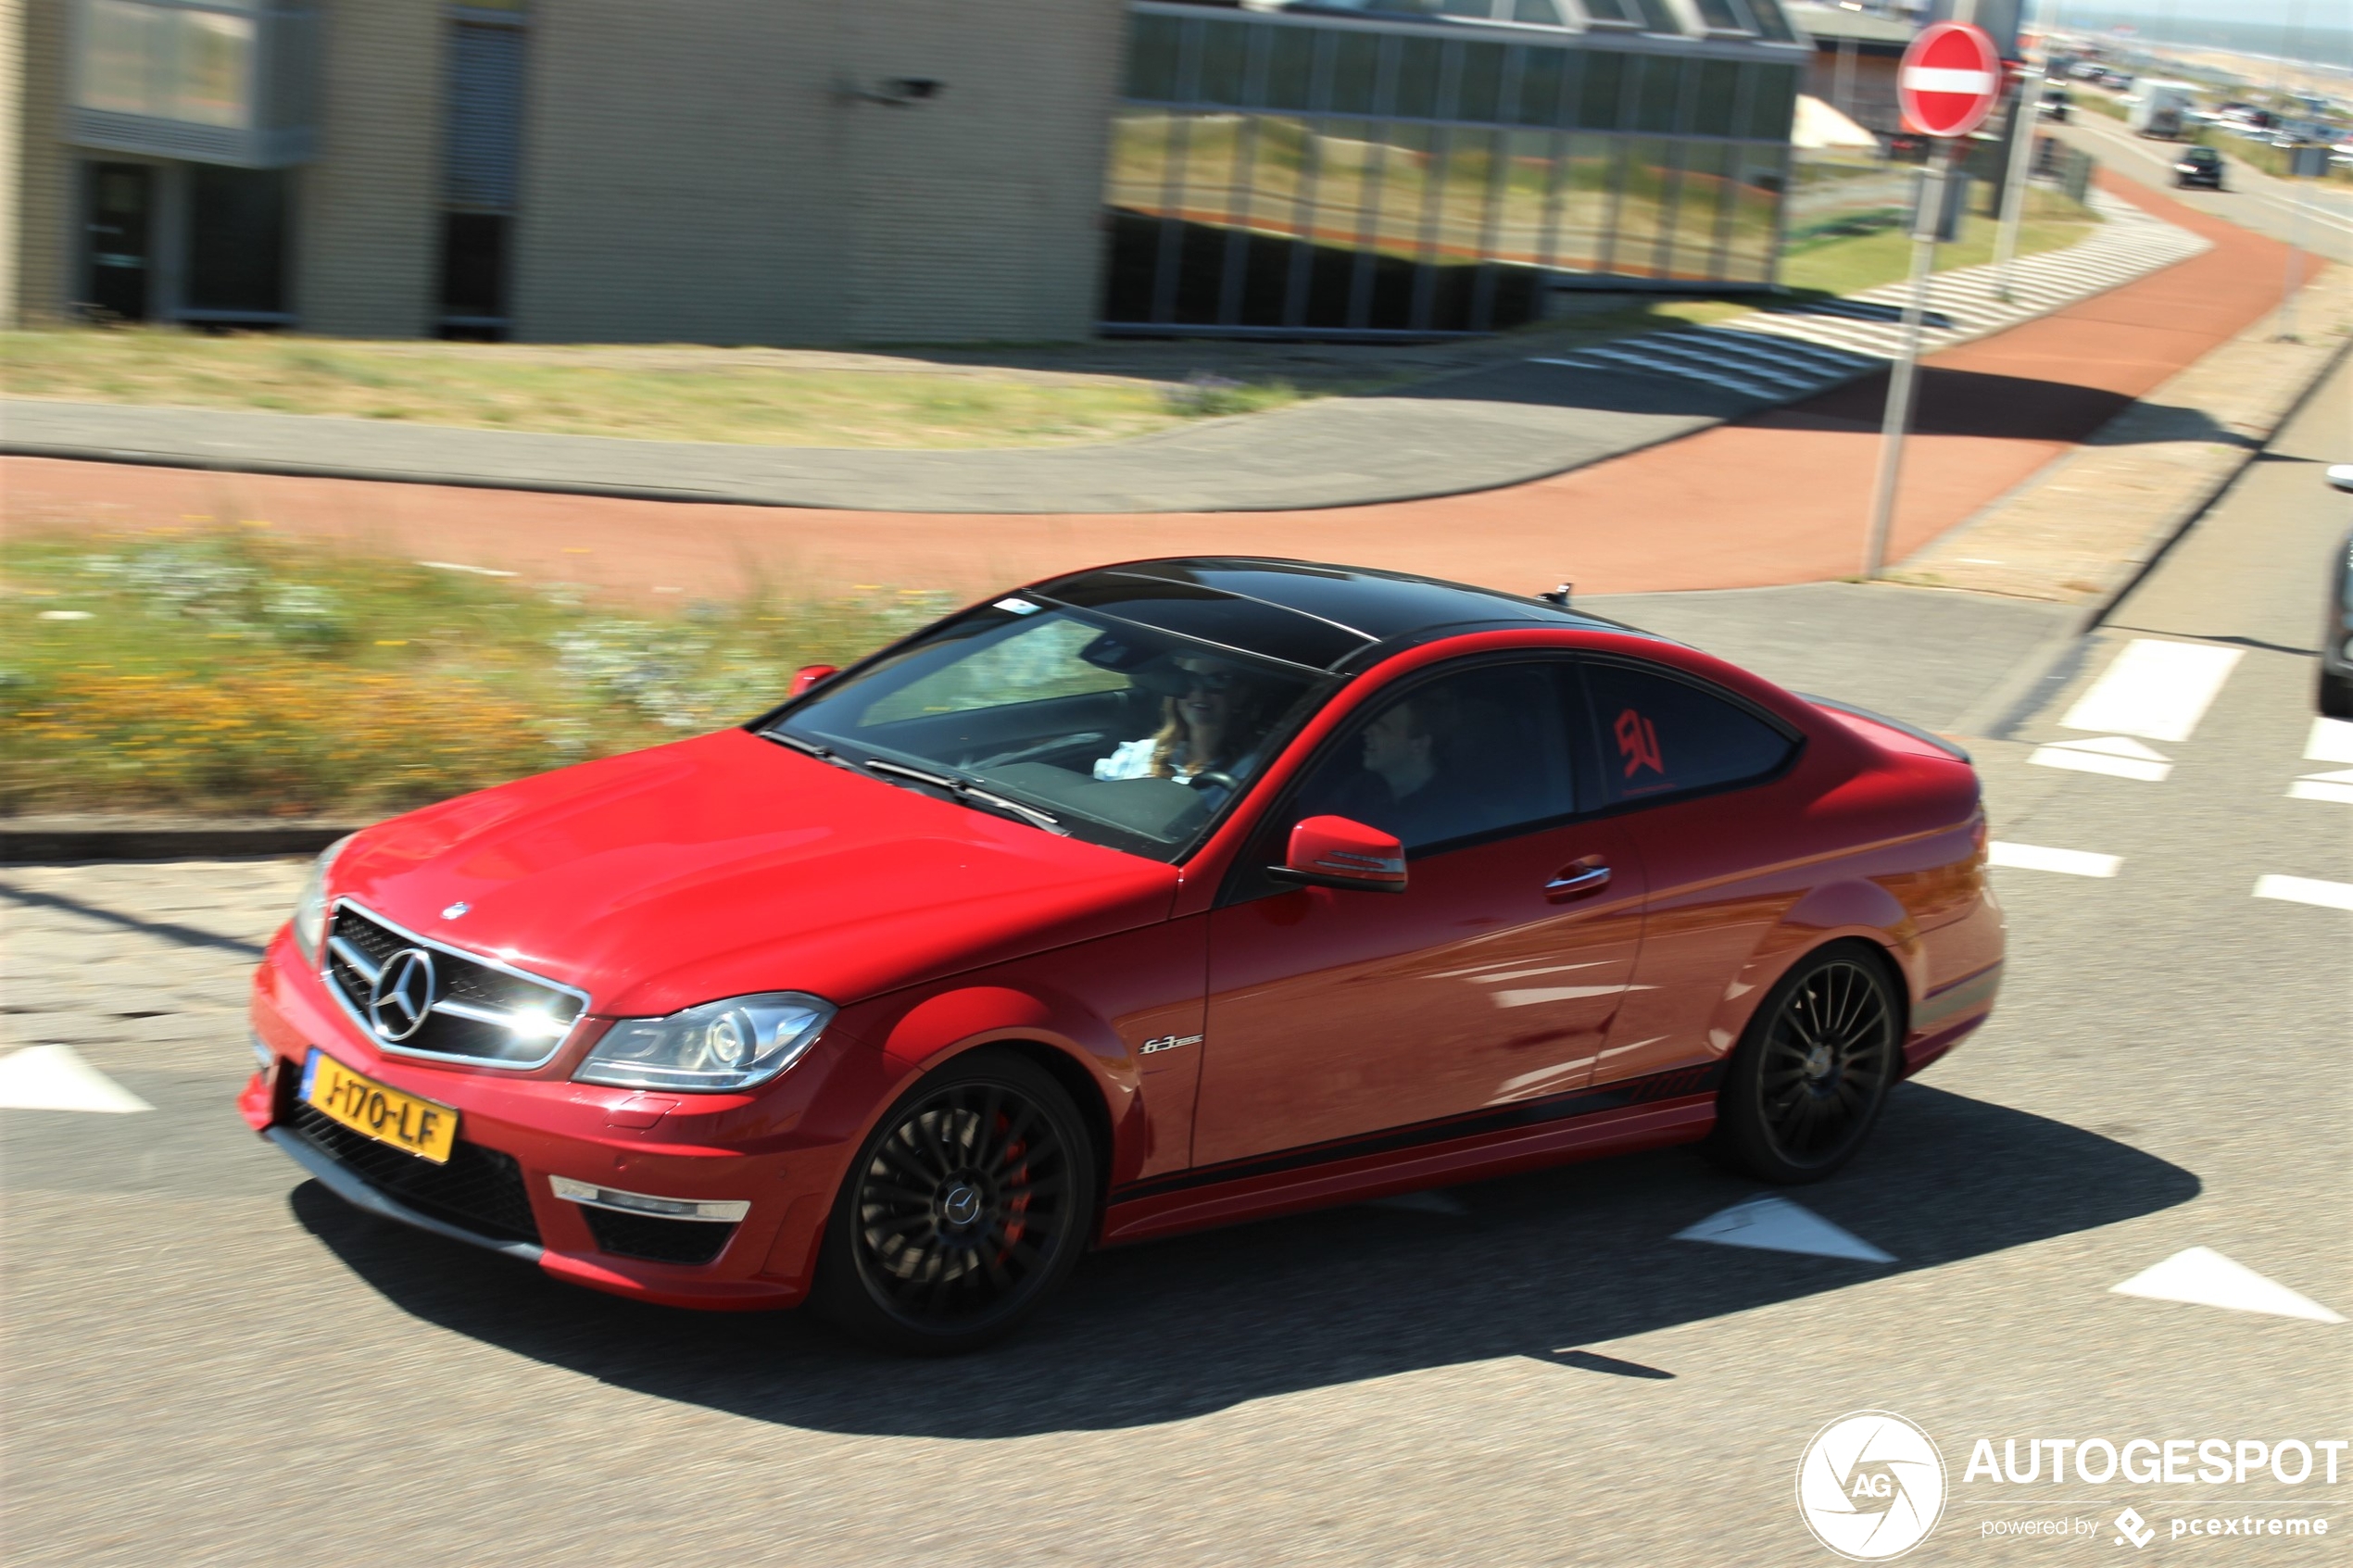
(1301, 612)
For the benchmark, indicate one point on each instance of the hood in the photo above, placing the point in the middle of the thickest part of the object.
(729, 864)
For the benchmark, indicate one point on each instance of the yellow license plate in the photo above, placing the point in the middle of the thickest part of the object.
(378, 1110)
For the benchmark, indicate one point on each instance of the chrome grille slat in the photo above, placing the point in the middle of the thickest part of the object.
(478, 1000)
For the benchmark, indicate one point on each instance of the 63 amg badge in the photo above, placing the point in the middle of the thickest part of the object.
(1871, 1485)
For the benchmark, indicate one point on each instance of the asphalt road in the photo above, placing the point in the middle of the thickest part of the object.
(2317, 216)
(209, 1359)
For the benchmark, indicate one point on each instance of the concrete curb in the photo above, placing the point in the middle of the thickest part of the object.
(2161, 539)
(38, 841)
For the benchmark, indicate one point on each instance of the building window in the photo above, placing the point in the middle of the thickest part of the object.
(481, 169)
(236, 265)
(1273, 175)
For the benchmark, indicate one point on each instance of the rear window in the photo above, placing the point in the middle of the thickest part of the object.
(1662, 735)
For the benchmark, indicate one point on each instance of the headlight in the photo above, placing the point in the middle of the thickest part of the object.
(727, 1044)
(311, 907)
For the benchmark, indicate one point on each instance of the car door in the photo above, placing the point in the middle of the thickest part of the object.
(1701, 781)
(1490, 981)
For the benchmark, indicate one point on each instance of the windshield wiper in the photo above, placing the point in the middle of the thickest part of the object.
(823, 753)
(972, 794)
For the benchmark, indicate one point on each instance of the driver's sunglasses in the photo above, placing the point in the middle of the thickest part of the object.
(1207, 680)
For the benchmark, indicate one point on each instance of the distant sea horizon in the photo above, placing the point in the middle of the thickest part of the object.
(2307, 45)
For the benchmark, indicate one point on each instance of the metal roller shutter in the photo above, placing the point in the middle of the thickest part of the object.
(485, 118)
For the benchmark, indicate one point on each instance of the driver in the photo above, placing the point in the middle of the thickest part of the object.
(1209, 726)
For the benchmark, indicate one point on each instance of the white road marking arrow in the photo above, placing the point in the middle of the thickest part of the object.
(2203, 1277)
(1775, 1225)
(56, 1078)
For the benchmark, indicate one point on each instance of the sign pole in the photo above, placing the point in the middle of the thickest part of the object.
(1898, 418)
(1950, 79)
(2023, 130)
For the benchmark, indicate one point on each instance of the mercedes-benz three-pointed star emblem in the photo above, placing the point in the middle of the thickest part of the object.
(454, 911)
(402, 997)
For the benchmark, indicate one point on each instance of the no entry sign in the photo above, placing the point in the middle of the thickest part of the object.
(1950, 79)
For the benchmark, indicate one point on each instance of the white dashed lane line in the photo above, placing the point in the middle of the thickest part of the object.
(2330, 740)
(2306, 890)
(2039, 858)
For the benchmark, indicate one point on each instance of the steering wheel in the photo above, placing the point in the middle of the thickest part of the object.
(1223, 781)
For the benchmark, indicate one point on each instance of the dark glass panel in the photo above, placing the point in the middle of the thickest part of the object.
(236, 239)
(1153, 45)
(1658, 17)
(1225, 60)
(1479, 89)
(1661, 91)
(1604, 89)
(1539, 13)
(1719, 15)
(1417, 62)
(1132, 260)
(1291, 68)
(1717, 95)
(473, 264)
(1356, 73)
(1541, 76)
(1772, 99)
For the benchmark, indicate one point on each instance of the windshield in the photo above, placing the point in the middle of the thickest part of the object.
(1123, 735)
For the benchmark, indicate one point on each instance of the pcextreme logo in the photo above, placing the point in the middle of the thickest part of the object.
(1871, 1485)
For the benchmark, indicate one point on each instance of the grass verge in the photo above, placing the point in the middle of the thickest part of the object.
(228, 672)
(675, 393)
(1849, 264)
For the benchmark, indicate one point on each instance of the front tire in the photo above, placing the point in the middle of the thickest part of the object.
(1813, 1068)
(2336, 695)
(966, 1207)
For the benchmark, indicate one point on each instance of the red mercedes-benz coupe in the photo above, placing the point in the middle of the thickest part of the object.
(1143, 899)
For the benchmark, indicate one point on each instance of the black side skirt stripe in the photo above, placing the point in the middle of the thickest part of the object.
(1960, 996)
(1674, 1085)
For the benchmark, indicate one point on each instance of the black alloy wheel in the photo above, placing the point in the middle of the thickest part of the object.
(965, 1208)
(1814, 1068)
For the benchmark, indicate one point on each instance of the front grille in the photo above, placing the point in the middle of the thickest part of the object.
(480, 1189)
(359, 946)
(656, 1240)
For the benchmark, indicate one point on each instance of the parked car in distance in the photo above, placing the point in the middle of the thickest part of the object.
(1139, 900)
(2198, 166)
(2336, 621)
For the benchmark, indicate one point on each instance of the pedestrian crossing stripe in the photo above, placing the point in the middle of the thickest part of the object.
(1794, 351)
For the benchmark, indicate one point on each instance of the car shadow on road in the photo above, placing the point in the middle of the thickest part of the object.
(1535, 1266)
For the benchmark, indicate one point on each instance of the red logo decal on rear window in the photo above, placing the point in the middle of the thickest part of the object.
(1638, 742)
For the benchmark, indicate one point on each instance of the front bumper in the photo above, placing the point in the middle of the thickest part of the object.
(517, 1132)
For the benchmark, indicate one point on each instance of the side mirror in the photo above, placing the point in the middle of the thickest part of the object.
(2341, 477)
(808, 675)
(1335, 852)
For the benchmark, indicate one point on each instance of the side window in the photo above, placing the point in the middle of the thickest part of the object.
(1480, 751)
(1660, 735)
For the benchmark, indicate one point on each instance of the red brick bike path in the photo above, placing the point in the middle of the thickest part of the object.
(1780, 497)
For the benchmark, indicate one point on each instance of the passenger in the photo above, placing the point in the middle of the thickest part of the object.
(1212, 725)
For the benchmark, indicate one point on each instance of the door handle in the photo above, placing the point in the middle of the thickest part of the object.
(1577, 881)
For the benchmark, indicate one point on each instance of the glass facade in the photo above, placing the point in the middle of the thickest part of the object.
(1271, 172)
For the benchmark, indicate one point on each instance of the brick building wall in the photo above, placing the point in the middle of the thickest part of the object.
(978, 214)
(40, 185)
(688, 172)
(367, 210)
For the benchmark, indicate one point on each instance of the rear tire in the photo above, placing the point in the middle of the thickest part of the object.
(1813, 1068)
(967, 1205)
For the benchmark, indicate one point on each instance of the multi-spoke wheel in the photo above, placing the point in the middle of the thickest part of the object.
(1809, 1078)
(967, 1205)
